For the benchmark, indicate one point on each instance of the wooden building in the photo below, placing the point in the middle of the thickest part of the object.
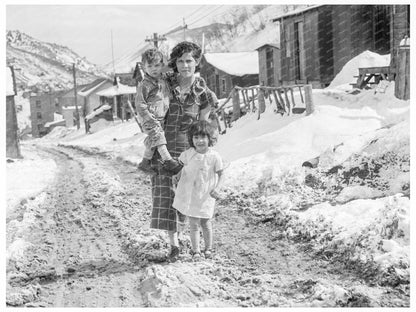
(43, 105)
(117, 95)
(223, 71)
(12, 138)
(399, 29)
(89, 94)
(317, 41)
(67, 98)
(269, 65)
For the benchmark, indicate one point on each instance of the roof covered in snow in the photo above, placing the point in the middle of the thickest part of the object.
(235, 63)
(98, 111)
(9, 82)
(87, 90)
(117, 90)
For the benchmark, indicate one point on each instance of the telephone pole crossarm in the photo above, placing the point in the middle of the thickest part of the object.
(156, 39)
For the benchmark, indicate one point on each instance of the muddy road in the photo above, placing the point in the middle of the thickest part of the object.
(86, 242)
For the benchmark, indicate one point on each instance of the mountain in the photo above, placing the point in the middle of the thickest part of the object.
(240, 29)
(46, 65)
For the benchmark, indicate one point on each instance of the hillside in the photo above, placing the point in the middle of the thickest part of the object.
(42, 64)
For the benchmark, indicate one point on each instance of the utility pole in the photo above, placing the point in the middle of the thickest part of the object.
(75, 94)
(112, 52)
(155, 39)
(184, 27)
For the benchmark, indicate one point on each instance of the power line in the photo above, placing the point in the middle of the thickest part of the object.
(205, 15)
(204, 12)
(177, 24)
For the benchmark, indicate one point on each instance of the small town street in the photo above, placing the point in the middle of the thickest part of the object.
(91, 246)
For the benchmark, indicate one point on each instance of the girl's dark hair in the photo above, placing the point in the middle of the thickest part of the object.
(180, 49)
(201, 127)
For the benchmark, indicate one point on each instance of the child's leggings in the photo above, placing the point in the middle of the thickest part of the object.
(206, 226)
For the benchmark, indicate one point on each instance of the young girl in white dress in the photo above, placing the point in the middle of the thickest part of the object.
(198, 185)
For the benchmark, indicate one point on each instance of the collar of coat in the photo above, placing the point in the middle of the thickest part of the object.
(197, 87)
(154, 81)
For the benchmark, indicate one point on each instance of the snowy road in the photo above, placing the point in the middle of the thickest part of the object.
(89, 245)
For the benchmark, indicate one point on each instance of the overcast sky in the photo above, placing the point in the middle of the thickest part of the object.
(86, 29)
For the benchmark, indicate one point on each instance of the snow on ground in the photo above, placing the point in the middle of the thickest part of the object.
(350, 70)
(265, 150)
(23, 111)
(27, 177)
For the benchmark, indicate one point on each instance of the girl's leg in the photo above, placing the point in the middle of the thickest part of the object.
(174, 244)
(173, 238)
(206, 225)
(194, 233)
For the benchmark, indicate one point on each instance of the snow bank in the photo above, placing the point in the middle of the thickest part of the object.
(277, 143)
(365, 59)
(27, 177)
(123, 140)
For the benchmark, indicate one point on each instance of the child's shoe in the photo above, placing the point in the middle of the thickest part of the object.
(196, 255)
(172, 165)
(208, 254)
(174, 254)
(146, 167)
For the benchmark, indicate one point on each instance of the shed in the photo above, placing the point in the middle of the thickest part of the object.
(317, 41)
(223, 71)
(269, 65)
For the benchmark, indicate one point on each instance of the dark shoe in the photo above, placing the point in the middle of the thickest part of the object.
(146, 167)
(174, 254)
(172, 165)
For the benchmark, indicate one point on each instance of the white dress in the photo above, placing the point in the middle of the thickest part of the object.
(198, 179)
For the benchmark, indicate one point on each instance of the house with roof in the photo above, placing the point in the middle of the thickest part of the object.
(223, 71)
(269, 64)
(12, 139)
(90, 99)
(67, 98)
(117, 95)
(317, 41)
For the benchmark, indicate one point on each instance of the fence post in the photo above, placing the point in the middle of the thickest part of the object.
(308, 100)
(252, 97)
(262, 102)
(236, 105)
(402, 81)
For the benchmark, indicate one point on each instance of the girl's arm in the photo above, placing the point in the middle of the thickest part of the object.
(212, 102)
(204, 113)
(214, 193)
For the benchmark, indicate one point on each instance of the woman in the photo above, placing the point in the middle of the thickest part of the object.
(191, 100)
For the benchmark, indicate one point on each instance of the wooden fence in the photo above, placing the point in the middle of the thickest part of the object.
(283, 98)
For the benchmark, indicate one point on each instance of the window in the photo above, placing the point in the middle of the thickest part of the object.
(40, 127)
(38, 104)
(223, 85)
(39, 115)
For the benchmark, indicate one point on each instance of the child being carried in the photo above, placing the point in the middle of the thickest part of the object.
(152, 103)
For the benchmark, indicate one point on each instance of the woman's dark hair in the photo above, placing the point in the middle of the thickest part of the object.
(180, 49)
(201, 127)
